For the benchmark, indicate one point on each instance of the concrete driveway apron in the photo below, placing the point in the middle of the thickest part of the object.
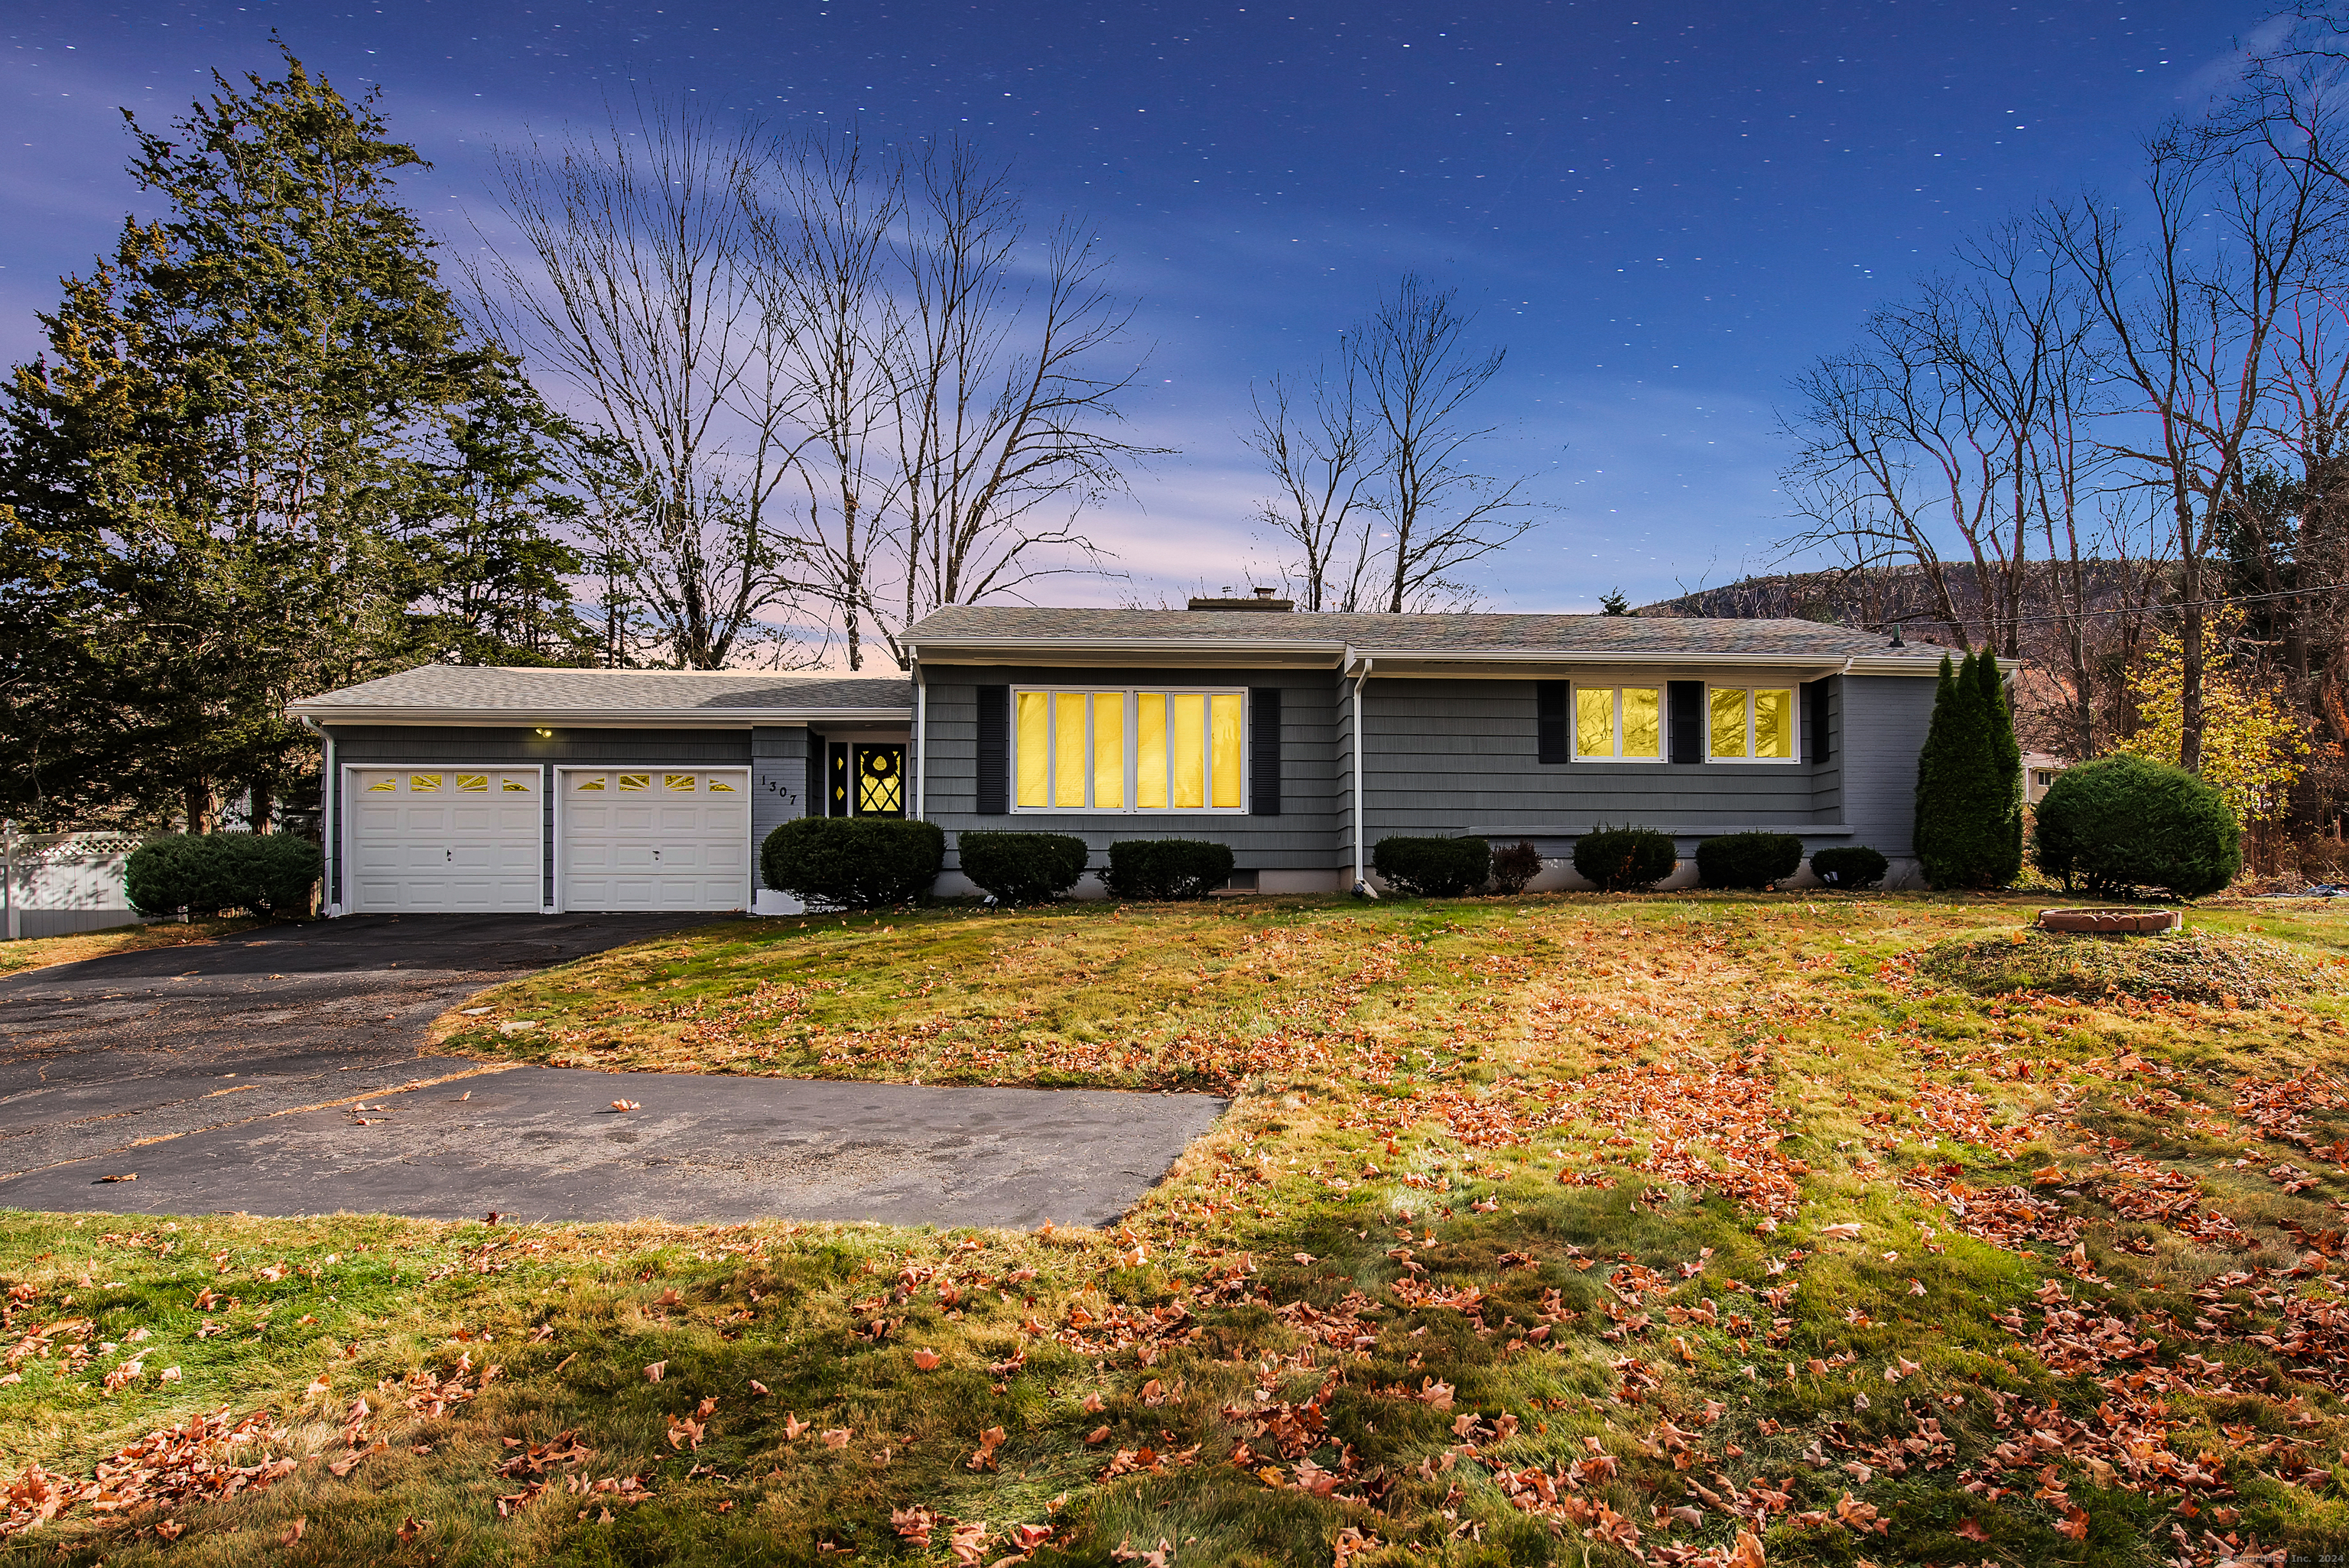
(224, 1076)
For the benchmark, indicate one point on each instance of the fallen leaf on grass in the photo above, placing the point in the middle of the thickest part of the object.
(1097, 1436)
(758, 1387)
(836, 1438)
(794, 1426)
(653, 1373)
(411, 1527)
(1847, 1231)
(988, 1441)
(926, 1359)
(293, 1533)
(1970, 1531)
(169, 1528)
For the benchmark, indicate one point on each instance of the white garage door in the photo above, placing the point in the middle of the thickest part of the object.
(457, 841)
(654, 839)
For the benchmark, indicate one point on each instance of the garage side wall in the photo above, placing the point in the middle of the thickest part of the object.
(779, 780)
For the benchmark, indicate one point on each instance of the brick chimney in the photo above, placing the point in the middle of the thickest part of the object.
(1259, 599)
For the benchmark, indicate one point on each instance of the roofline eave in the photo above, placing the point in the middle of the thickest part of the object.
(599, 718)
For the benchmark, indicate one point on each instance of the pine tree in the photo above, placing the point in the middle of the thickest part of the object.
(1962, 826)
(243, 459)
(2005, 864)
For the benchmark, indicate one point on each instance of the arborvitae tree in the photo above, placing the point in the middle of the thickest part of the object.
(235, 464)
(2006, 754)
(1963, 822)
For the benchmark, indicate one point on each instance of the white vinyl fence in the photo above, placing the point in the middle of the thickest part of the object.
(54, 883)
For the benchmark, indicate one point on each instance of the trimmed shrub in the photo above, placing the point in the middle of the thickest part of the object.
(1515, 865)
(1432, 867)
(1849, 869)
(1022, 868)
(269, 874)
(1625, 859)
(1968, 799)
(1747, 860)
(175, 871)
(852, 862)
(2121, 824)
(1167, 868)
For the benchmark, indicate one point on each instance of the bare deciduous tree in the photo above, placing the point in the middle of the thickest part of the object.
(1006, 355)
(637, 285)
(1320, 458)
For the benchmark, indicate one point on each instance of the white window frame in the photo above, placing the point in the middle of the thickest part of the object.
(1793, 690)
(1663, 721)
(1132, 696)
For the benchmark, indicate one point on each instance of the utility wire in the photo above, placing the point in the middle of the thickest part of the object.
(2126, 610)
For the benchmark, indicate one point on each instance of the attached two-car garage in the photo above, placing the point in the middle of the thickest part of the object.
(450, 839)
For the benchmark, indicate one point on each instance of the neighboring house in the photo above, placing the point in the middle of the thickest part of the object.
(1300, 739)
(2039, 770)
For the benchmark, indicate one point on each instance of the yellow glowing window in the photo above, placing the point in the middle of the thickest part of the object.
(1150, 750)
(1774, 723)
(591, 785)
(1594, 721)
(424, 783)
(1035, 759)
(384, 786)
(1611, 722)
(1186, 750)
(1726, 709)
(1117, 750)
(1109, 750)
(477, 783)
(720, 787)
(630, 781)
(682, 783)
(513, 787)
(1068, 751)
(1224, 745)
(1643, 723)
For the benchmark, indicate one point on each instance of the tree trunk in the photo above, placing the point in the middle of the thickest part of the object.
(196, 799)
(263, 808)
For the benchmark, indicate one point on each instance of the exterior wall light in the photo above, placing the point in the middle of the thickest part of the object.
(543, 733)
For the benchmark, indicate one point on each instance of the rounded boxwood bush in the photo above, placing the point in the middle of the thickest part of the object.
(1849, 869)
(852, 862)
(1747, 860)
(1166, 868)
(2122, 824)
(1625, 859)
(270, 874)
(1432, 867)
(1022, 868)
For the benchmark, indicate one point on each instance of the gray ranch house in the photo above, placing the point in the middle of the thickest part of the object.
(1298, 739)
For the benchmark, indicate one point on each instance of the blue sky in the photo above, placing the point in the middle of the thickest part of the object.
(1663, 212)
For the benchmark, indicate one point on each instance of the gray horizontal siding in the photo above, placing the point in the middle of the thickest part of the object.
(1453, 756)
(399, 744)
(1888, 716)
(1305, 836)
(778, 781)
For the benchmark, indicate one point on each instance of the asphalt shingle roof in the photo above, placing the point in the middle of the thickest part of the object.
(1444, 634)
(544, 691)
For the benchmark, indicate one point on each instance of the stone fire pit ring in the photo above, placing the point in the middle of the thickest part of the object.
(2111, 921)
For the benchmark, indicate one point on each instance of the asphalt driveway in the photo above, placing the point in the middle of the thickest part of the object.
(225, 1079)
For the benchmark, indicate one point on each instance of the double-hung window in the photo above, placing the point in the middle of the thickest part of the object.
(1752, 723)
(1618, 724)
(1094, 750)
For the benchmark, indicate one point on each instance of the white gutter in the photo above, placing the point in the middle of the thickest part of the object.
(597, 717)
(1240, 648)
(1361, 681)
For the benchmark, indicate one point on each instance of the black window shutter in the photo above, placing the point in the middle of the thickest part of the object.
(814, 805)
(1815, 721)
(1551, 735)
(838, 803)
(1263, 750)
(1688, 720)
(994, 750)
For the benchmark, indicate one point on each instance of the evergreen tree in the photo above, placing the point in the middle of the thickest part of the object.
(262, 456)
(2006, 758)
(1963, 823)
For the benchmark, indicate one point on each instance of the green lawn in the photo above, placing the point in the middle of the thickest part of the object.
(1537, 1228)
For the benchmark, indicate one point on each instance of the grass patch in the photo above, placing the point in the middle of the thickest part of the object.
(2186, 966)
(41, 952)
(1538, 1229)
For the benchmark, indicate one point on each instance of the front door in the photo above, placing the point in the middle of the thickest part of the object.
(880, 780)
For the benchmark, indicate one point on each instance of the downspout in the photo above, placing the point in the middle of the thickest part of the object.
(921, 741)
(1361, 680)
(330, 846)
